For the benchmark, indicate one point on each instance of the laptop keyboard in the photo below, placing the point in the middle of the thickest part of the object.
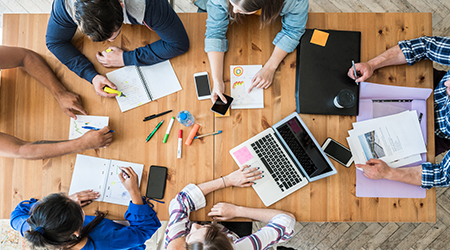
(297, 149)
(276, 162)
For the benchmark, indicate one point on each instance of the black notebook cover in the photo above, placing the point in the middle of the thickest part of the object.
(322, 72)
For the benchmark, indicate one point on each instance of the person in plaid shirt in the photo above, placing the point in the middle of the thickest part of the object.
(181, 233)
(437, 49)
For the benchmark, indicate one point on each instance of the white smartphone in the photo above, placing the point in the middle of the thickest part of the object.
(202, 85)
(338, 152)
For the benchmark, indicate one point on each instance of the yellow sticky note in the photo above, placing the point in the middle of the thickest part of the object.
(226, 114)
(319, 38)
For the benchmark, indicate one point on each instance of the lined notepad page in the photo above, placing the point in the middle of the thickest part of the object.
(161, 79)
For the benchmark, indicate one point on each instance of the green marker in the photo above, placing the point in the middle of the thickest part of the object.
(168, 129)
(154, 131)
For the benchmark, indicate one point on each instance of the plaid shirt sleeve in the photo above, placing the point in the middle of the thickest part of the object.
(189, 199)
(279, 229)
(436, 175)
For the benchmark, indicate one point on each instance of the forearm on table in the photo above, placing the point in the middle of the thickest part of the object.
(216, 62)
(275, 59)
(411, 175)
(392, 56)
(259, 214)
(211, 186)
(136, 197)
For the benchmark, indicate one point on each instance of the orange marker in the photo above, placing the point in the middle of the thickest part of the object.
(192, 134)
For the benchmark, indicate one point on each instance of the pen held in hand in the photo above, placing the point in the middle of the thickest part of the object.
(125, 173)
(354, 72)
(94, 128)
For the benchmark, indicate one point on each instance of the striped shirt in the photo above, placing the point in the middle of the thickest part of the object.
(436, 49)
(279, 229)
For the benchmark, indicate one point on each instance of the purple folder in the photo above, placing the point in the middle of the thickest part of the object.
(369, 109)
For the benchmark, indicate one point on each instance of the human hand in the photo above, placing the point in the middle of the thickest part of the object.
(111, 57)
(69, 102)
(100, 82)
(217, 92)
(375, 169)
(96, 138)
(263, 79)
(84, 197)
(223, 211)
(364, 69)
(130, 180)
(243, 177)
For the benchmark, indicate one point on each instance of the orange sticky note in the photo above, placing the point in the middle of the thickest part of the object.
(226, 114)
(319, 38)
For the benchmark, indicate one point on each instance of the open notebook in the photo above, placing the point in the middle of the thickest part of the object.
(144, 84)
(102, 175)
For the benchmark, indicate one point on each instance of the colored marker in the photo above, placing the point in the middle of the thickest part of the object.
(125, 173)
(168, 129)
(213, 133)
(108, 50)
(94, 128)
(113, 91)
(192, 134)
(180, 141)
(354, 71)
(154, 131)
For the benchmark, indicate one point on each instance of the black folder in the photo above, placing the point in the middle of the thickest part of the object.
(322, 72)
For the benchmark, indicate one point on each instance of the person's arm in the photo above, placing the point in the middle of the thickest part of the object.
(60, 30)
(378, 169)
(174, 41)
(294, 16)
(11, 146)
(392, 56)
(216, 62)
(37, 67)
(19, 216)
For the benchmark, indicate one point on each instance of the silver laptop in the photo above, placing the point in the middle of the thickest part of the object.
(289, 156)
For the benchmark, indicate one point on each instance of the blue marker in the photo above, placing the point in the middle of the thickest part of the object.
(94, 128)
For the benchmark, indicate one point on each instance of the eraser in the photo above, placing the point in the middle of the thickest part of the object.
(192, 134)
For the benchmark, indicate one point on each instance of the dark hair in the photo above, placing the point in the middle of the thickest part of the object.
(270, 10)
(215, 239)
(55, 219)
(98, 19)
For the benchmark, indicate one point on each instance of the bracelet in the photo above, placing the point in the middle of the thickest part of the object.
(225, 185)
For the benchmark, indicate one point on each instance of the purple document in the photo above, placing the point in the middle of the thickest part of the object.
(378, 100)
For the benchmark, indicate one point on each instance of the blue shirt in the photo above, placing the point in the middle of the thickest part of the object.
(159, 16)
(436, 49)
(108, 234)
(294, 15)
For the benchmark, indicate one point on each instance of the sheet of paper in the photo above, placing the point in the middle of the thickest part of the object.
(161, 79)
(115, 192)
(319, 37)
(89, 173)
(241, 81)
(128, 82)
(243, 155)
(76, 129)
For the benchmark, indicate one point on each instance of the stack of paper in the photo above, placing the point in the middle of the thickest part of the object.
(395, 139)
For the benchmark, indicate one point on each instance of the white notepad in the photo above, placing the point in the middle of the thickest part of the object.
(76, 129)
(144, 84)
(102, 175)
(241, 81)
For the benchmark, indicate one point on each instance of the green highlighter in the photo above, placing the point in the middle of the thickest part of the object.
(168, 129)
(154, 131)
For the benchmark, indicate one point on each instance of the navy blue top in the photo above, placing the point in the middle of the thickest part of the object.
(159, 16)
(107, 234)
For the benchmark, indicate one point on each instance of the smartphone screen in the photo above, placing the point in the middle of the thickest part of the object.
(220, 107)
(202, 85)
(156, 182)
(338, 152)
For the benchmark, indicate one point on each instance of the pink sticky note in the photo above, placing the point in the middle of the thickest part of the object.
(243, 155)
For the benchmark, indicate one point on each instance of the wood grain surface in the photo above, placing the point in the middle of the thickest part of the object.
(29, 112)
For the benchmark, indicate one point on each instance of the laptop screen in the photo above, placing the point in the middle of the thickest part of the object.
(303, 148)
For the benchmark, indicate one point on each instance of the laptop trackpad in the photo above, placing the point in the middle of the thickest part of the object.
(257, 163)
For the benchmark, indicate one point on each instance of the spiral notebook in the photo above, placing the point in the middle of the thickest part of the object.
(102, 175)
(143, 84)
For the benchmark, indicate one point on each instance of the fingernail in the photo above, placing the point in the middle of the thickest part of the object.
(262, 175)
(261, 172)
(258, 167)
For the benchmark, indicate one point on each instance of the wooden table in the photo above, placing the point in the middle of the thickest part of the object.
(34, 115)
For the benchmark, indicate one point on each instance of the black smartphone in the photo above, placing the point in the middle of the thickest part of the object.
(156, 184)
(220, 107)
(338, 152)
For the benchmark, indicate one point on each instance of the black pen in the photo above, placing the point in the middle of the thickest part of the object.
(156, 115)
(420, 117)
